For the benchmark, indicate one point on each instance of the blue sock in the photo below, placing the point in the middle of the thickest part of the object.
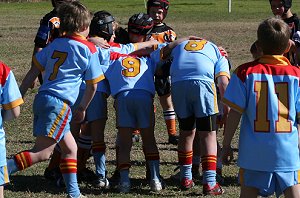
(99, 159)
(186, 171)
(71, 184)
(154, 168)
(209, 177)
(68, 168)
(12, 166)
(124, 176)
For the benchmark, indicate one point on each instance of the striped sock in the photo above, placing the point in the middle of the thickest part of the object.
(99, 157)
(170, 119)
(153, 161)
(68, 168)
(20, 162)
(185, 162)
(209, 166)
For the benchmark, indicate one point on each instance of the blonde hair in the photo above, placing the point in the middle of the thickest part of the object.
(273, 36)
(74, 17)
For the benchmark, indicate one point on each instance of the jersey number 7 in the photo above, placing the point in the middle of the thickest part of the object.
(61, 56)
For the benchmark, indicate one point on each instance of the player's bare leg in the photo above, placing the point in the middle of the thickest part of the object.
(68, 164)
(41, 151)
(125, 144)
(293, 191)
(185, 155)
(170, 117)
(1, 192)
(208, 145)
(248, 192)
(196, 157)
(97, 128)
(152, 157)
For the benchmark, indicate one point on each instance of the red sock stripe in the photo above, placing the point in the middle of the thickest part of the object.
(185, 158)
(68, 166)
(152, 156)
(99, 147)
(124, 166)
(209, 162)
(23, 160)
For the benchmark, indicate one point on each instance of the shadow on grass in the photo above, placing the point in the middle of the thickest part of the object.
(33, 183)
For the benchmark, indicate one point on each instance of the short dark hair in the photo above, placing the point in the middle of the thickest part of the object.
(273, 36)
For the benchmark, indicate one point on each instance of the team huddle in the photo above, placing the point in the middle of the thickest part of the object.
(80, 59)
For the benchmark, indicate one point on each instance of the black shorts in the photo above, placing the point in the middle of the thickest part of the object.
(208, 123)
(162, 85)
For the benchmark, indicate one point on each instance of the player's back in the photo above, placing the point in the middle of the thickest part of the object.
(128, 72)
(270, 103)
(197, 60)
(64, 63)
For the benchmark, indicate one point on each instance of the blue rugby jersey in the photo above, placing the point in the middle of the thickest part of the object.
(10, 97)
(65, 63)
(266, 92)
(198, 60)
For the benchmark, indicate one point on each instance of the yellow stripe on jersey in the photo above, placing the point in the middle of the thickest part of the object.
(274, 60)
(5, 174)
(13, 104)
(216, 109)
(222, 74)
(232, 105)
(58, 118)
(96, 80)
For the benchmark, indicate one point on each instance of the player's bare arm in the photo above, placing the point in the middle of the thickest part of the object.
(10, 114)
(234, 117)
(85, 101)
(30, 77)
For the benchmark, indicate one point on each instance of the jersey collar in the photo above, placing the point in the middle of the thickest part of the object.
(274, 60)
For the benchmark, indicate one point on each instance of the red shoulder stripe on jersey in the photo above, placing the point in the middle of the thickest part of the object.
(255, 67)
(4, 72)
(113, 44)
(90, 45)
(116, 55)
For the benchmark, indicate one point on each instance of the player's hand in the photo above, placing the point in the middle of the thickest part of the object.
(34, 83)
(79, 115)
(227, 155)
(223, 51)
(100, 42)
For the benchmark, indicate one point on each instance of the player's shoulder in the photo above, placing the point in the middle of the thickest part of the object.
(4, 72)
(162, 28)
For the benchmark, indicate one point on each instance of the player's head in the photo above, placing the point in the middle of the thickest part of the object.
(280, 7)
(56, 3)
(102, 25)
(158, 9)
(139, 27)
(74, 17)
(273, 36)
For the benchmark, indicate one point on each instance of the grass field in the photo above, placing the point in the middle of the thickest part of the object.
(235, 31)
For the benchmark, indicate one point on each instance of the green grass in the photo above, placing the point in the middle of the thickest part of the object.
(235, 31)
